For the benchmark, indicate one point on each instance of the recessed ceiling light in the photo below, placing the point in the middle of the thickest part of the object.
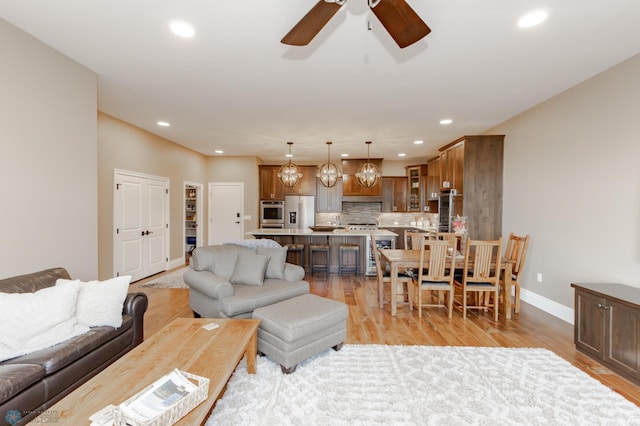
(446, 121)
(219, 151)
(418, 142)
(402, 154)
(532, 18)
(163, 124)
(344, 155)
(182, 29)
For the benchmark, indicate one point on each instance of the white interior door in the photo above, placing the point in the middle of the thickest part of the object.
(141, 206)
(226, 212)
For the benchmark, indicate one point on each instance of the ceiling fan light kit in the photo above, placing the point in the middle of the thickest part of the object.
(368, 175)
(289, 174)
(401, 22)
(329, 173)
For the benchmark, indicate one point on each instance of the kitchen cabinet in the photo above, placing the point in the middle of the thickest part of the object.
(433, 179)
(415, 178)
(394, 194)
(329, 200)
(478, 161)
(452, 168)
(272, 189)
(350, 185)
(307, 183)
(607, 326)
(433, 185)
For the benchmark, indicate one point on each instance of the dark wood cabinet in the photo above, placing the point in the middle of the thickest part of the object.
(474, 164)
(607, 326)
(394, 194)
(270, 186)
(433, 179)
(306, 185)
(452, 167)
(350, 185)
(415, 187)
(272, 189)
(329, 200)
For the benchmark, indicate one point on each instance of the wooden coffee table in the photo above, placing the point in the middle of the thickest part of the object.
(183, 344)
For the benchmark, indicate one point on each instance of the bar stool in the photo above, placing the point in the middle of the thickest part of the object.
(344, 265)
(319, 248)
(298, 251)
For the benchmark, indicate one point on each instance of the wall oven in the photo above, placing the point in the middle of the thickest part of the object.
(271, 213)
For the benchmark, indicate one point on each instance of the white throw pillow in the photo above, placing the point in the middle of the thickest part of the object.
(34, 321)
(277, 260)
(249, 269)
(100, 302)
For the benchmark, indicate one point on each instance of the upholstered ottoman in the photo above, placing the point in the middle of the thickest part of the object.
(298, 328)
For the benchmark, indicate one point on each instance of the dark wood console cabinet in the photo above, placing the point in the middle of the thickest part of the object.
(607, 326)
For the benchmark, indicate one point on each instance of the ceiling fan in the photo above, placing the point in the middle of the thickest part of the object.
(401, 22)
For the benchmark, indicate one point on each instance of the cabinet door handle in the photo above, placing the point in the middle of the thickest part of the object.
(601, 306)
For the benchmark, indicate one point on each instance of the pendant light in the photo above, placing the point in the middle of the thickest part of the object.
(289, 174)
(328, 173)
(368, 175)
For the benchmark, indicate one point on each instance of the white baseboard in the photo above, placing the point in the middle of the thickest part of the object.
(176, 263)
(554, 308)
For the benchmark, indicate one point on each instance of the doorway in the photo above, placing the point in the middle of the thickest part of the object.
(226, 212)
(193, 231)
(141, 224)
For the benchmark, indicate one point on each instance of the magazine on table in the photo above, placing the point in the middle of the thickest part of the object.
(159, 397)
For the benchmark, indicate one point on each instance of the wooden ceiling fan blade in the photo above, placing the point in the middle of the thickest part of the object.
(311, 24)
(401, 22)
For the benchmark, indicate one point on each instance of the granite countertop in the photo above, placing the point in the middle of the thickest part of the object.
(404, 225)
(309, 233)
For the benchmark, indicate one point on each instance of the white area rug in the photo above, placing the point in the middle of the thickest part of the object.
(171, 280)
(422, 385)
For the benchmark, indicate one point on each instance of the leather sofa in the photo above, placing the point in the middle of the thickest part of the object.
(213, 292)
(32, 383)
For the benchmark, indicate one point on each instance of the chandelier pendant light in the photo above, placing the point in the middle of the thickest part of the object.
(368, 175)
(289, 174)
(329, 173)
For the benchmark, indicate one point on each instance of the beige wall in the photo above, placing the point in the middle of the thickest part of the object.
(47, 159)
(572, 181)
(126, 147)
(238, 169)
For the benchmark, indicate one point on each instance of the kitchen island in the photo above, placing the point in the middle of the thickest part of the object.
(332, 238)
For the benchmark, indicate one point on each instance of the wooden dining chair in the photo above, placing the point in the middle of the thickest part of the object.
(480, 274)
(516, 252)
(445, 236)
(384, 276)
(435, 276)
(412, 239)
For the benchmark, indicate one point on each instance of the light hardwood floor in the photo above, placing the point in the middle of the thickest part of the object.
(369, 324)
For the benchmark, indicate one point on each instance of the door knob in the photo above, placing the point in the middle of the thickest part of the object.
(238, 221)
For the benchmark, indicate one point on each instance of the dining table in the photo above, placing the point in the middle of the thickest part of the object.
(410, 259)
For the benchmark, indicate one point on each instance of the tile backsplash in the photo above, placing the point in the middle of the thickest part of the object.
(371, 213)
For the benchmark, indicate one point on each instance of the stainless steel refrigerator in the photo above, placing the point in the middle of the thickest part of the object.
(299, 211)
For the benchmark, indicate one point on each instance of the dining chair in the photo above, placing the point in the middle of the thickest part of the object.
(480, 274)
(516, 252)
(435, 276)
(412, 239)
(446, 235)
(384, 276)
